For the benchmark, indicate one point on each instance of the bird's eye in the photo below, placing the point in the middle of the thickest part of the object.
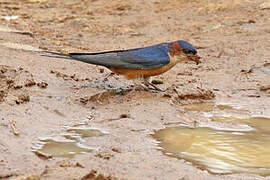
(189, 51)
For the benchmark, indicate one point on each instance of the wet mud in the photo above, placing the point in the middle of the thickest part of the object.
(95, 126)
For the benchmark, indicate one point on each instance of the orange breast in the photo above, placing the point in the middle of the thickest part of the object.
(133, 73)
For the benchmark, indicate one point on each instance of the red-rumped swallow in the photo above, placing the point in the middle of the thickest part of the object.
(140, 63)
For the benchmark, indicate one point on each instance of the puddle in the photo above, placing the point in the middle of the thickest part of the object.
(7, 29)
(225, 107)
(20, 46)
(68, 144)
(56, 148)
(85, 132)
(261, 124)
(221, 151)
(206, 107)
(201, 107)
(265, 70)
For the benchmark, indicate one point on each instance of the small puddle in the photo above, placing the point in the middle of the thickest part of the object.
(265, 70)
(206, 107)
(56, 148)
(261, 124)
(85, 132)
(71, 142)
(225, 107)
(221, 151)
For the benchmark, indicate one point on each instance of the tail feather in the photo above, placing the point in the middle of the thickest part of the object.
(55, 54)
(90, 58)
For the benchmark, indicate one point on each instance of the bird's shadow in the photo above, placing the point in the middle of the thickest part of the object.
(117, 88)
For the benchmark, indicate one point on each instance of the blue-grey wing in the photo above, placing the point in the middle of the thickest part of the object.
(141, 58)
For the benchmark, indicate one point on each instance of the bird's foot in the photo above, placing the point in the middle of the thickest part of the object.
(143, 84)
(146, 81)
(147, 88)
(155, 87)
(108, 75)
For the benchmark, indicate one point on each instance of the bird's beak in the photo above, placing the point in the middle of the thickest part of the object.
(195, 58)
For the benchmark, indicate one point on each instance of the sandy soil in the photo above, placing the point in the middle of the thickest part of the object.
(40, 95)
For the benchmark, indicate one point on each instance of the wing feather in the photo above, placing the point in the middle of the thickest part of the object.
(140, 58)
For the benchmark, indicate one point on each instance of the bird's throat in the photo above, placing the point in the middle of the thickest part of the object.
(175, 59)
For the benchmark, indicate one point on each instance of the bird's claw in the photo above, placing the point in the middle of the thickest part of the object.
(156, 88)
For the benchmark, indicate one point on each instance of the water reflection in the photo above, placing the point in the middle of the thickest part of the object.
(62, 148)
(219, 150)
(67, 144)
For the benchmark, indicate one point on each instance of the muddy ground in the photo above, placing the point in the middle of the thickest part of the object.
(39, 95)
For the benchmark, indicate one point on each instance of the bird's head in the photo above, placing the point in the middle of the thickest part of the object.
(184, 51)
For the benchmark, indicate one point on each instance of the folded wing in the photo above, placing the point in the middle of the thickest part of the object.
(141, 58)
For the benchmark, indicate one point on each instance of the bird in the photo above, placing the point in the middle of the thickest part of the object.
(139, 63)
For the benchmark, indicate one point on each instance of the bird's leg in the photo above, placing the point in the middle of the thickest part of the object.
(108, 75)
(148, 83)
(142, 83)
(138, 83)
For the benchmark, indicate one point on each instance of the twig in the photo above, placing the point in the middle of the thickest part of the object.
(14, 127)
(43, 155)
(122, 116)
